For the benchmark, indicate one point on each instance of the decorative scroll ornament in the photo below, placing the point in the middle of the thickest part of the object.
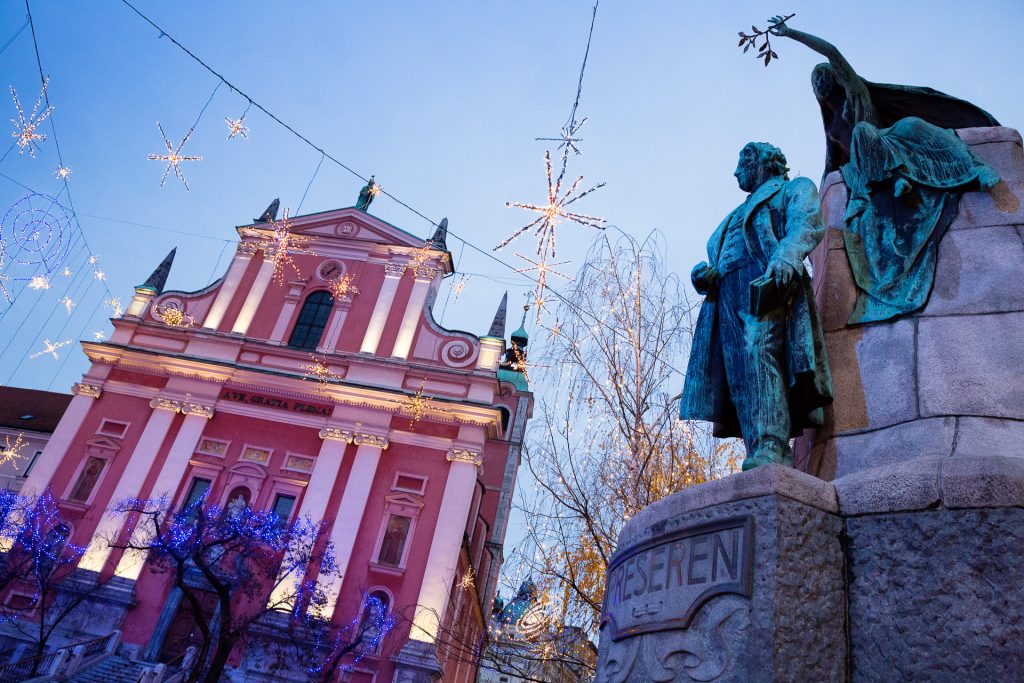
(336, 434)
(376, 440)
(199, 409)
(83, 389)
(162, 403)
(465, 455)
(172, 314)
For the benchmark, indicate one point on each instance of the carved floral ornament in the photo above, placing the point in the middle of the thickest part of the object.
(186, 407)
(83, 389)
(358, 438)
(465, 455)
(394, 269)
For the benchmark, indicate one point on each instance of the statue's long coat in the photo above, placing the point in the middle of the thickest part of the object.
(782, 220)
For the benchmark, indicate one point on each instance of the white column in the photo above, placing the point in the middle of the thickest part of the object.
(413, 310)
(291, 301)
(141, 460)
(350, 513)
(392, 276)
(314, 500)
(227, 288)
(41, 474)
(443, 560)
(167, 481)
(252, 301)
(334, 325)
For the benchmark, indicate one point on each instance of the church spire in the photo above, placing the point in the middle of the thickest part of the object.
(498, 324)
(158, 279)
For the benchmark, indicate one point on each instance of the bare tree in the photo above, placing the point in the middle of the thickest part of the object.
(608, 440)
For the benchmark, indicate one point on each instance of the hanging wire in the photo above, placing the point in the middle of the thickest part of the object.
(10, 40)
(309, 185)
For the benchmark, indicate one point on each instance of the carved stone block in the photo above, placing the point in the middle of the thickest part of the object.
(746, 587)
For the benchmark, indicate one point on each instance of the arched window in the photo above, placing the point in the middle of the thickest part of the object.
(312, 320)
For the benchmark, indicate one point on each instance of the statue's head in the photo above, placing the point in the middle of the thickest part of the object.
(823, 80)
(759, 161)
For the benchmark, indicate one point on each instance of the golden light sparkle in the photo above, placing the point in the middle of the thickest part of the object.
(11, 452)
(174, 157)
(278, 246)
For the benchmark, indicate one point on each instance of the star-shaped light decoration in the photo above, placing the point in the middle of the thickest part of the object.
(467, 582)
(520, 364)
(278, 246)
(25, 128)
(11, 452)
(99, 275)
(420, 259)
(344, 286)
(459, 286)
(567, 139)
(174, 157)
(115, 305)
(552, 213)
(99, 335)
(62, 172)
(66, 272)
(51, 348)
(417, 405)
(67, 303)
(39, 282)
(318, 371)
(543, 268)
(237, 127)
(173, 316)
(93, 259)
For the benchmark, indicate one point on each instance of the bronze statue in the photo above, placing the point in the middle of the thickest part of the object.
(757, 365)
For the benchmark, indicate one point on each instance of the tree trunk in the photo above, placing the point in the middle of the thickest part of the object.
(220, 659)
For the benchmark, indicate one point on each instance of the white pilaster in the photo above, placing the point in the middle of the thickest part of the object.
(335, 324)
(291, 301)
(41, 474)
(196, 417)
(227, 288)
(443, 560)
(413, 310)
(392, 276)
(314, 500)
(141, 460)
(255, 296)
(350, 512)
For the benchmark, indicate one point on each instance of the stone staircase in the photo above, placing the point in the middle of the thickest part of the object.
(112, 669)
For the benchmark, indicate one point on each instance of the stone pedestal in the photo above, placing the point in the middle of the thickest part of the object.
(949, 379)
(739, 579)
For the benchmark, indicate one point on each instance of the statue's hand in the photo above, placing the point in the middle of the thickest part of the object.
(703, 277)
(781, 272)
(777, 26)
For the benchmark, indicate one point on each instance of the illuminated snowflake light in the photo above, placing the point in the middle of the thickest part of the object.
(39, 282)
(568, 137)
(114, 303)
(51, 348)
(417, 405)
(67, 272)
(459, 286)
(278, 246)
(344, 286)
(67, 303)
(237, 127)
(25, 128)
(318, 371)
(173, 157)
(556, 210)
(173, 316)
(99, 335)
(11, 452)
(62, 172)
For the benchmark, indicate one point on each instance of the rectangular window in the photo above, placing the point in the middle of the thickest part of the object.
(87, 479)
(113, 428)
(31, 462)
(197, 490)
(283, 505)
(410, 483)
(393, 543)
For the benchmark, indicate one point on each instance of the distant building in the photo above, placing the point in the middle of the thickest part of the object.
(525, 647)
(31, 416)
(407, 443)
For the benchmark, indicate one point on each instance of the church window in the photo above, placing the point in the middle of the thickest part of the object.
(199, 488)
(312, 320)
(283, 505)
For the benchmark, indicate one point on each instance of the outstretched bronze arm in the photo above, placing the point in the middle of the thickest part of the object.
(857, 95)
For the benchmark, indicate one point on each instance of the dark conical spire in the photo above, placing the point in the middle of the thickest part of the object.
(270, 214)
(440, 238)
(498, 325)
(158, 279)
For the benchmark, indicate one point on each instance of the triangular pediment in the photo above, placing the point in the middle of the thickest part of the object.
(403, 499)
(349, 224)
(103, 443)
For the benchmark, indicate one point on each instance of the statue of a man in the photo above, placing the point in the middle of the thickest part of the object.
(757, 366)
(366, 194)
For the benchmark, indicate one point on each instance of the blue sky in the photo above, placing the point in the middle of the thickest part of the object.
(442, 101)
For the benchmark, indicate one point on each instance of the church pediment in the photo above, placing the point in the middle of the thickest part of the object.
(349, 224)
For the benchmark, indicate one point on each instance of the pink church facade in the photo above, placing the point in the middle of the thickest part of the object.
(407, 445)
